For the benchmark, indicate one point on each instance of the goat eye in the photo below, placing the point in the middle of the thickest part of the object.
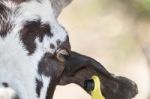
(62, 55)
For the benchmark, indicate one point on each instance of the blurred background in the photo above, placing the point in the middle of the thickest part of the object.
(114, 32)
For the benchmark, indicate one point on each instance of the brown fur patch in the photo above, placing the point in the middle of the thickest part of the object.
(52, 46)
(50, 66)
(39, 85)
(58, 42)
(31, 31)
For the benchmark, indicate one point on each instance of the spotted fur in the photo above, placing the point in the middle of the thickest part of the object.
(28, 32)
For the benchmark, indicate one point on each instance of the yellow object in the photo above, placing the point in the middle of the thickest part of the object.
(96, 93)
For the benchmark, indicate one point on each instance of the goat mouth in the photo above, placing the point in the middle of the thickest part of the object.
(79, 68)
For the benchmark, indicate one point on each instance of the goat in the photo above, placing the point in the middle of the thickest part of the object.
(35, 54)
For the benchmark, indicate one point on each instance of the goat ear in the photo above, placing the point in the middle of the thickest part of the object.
(58, 5)
(80, 68)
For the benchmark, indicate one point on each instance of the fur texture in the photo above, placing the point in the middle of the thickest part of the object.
(27, 29)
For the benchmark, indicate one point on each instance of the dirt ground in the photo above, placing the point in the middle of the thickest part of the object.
(107, 36)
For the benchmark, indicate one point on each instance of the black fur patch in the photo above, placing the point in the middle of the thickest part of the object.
(52, 46)
(39, 85)
(31, 31)
(5, 24)
(58, 42)
(49, 65)
(19, 1)
(5, 84)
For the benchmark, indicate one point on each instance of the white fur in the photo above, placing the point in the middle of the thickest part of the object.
(46, 81)
(7, 93)
(16, 67)
(8, 3)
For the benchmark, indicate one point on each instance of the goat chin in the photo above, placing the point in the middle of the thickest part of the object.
(7, 93)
